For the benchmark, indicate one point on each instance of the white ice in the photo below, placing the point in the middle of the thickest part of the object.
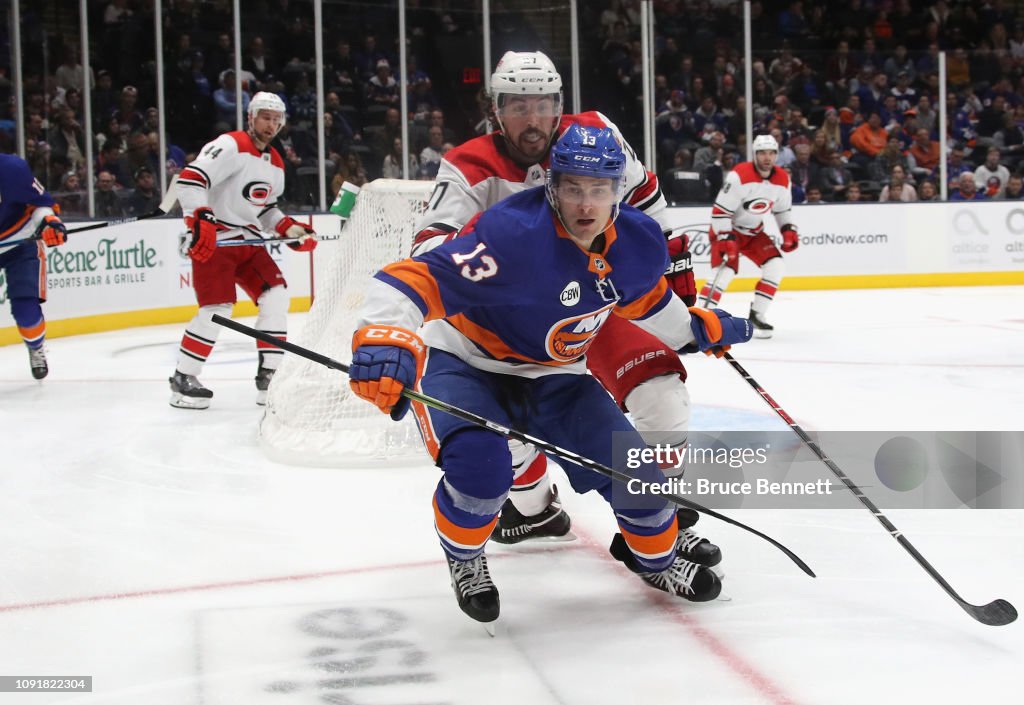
(160, 552)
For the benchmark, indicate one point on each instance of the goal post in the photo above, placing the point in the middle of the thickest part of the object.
(312, 417)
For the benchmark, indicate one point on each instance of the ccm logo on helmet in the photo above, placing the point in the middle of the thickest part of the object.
(257, 192)
(758, 206)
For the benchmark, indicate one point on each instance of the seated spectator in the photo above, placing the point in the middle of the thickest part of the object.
(888, 158)
(1010, 140)
(869, 140)
(225, 99)
(967, 190)
(926, 191)
(434, 151)
(710, 153)
(1014, 188)
(835, 179)
(786, 155)
(382, 88)
(303, 100)
(853, 193)
(257, 62)
(392, 166)
(108, 204)
(813, 195)
(898, 189)
(803, 171)
(71, 197)
(708, 115)
(956, 164)
(927, 116)
(146, 196)
(67, 139)
(924, 154)
(991, 177)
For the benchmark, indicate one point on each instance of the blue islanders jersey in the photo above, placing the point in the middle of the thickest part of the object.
(519, 296)
(23, 200)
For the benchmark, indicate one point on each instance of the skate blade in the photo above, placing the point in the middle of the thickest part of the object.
(758, 333)
(491, 628)
(717, 570)
(261, 398)
(180, 401)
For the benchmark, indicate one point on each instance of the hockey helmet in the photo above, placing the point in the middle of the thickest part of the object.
(525, 73)
(265, 100)
(587, 151)
(765, 143)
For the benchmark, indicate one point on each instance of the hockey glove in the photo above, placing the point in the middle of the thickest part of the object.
(203, 225)
(385, 360)
(680, 270)
(52, 231)
(716, 331)
(289, 227)
(725, 249)
(790, 238)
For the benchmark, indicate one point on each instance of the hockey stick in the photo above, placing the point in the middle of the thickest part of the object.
(272, 240)
(996, 613)
(505, 431)
(168, 202)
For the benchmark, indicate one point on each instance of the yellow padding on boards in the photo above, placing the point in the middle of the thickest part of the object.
(135, 319)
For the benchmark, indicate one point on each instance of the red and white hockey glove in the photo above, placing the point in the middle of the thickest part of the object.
(203, 226)
(386, 360)
(724, 248)
(680, 270)
(52, 231)
(289, 227)
(790, 238)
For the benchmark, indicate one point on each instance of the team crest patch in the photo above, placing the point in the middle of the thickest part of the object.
(570, 338)
(570, 295)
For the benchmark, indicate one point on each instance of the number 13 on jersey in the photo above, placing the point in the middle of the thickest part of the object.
(488, 269)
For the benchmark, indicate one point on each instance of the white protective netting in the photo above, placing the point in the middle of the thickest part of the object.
(312, 417)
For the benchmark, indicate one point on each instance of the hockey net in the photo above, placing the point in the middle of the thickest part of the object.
(312, 417)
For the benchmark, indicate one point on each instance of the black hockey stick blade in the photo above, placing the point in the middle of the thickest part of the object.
(996, 613)
(508, 432)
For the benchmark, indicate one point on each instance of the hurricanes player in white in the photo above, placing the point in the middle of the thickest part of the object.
(643, 375)
(231, 191)
(751, 191)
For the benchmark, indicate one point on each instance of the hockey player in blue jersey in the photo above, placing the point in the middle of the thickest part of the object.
(27, 217)
(512, 305)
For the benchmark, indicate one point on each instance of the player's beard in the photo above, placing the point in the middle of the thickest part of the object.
(531, 147)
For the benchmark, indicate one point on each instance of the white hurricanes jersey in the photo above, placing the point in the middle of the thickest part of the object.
(240, 183)
(479, 173)
(747, 197)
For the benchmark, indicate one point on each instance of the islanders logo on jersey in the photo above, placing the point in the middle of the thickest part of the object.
(569, 339)
(257, 192)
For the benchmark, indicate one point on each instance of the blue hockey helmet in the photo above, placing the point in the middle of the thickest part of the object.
(587, 151)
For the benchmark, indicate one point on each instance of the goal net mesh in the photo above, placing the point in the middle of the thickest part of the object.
(312, 417)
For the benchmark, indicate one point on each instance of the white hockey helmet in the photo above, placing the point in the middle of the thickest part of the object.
(265, 100)
(765, 143)
(526, 73)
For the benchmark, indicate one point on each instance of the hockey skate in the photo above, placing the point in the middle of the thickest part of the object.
(37, 361)
(552, 524)
(692, 547)
(188, 393)
(263, 377)
(475, 591)
(762, 329)
(683, 578)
